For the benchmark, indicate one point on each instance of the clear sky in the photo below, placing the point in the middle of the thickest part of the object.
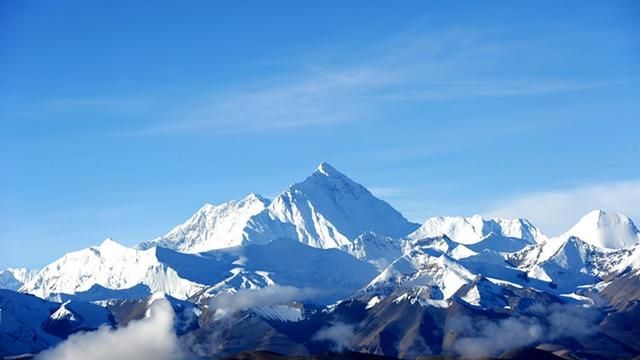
(121, 118)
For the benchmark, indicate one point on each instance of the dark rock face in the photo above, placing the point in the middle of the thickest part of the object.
(267, 355)
(397, 326)
(623, 292)
(29, 324)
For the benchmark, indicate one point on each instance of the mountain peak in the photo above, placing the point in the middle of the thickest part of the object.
(606, 230)
(595, 216)
(14, 278)
(253, 197)
(600, 219)
(475, 229)
(109, 243)
(326, 210)
(212, 226)
(327, 170)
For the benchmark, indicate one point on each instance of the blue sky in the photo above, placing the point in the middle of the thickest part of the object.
(122, 118)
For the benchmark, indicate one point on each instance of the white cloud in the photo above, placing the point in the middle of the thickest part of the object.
(554, 212)
(409, 68)
(229, 303)
(485, 338)
(150, 338)
(492, 338)
(339, 334)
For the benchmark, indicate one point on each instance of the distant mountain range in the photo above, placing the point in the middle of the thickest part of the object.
(327, 266)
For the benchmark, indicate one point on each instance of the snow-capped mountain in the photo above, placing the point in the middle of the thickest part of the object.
(326, 210)
(425, 272)
(568, 262)
(605, 230)
(598, 245)
(476, 231)
(212, 227)
(14, 278)
(631, 263)
(112, 266)
(330, 274)
(376, 249)
(112, 270)
(327, 253)
(621, 288)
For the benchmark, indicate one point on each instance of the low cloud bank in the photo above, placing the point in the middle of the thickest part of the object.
(149, 338)
(225, 305)
(340, 334)
(490, 338)
(230, 303)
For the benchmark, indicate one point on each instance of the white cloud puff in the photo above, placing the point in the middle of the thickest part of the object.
(149, 338)
(339, 334)
(229, 303)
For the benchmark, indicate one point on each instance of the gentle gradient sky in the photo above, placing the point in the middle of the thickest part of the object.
(121, 118)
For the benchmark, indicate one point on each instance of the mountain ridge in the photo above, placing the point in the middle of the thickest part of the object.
(326, 253)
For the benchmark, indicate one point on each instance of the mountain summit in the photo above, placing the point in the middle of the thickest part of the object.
(212, 226)
(327, 251)
(328, 170)
(326, 210)
(474, 229)
(605, 230)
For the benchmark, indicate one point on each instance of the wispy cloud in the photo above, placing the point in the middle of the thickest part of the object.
(408, 68)
(339, 334)
(313, 99)
(555, 211)
(367, 83)
(227, 304)
(484, 338)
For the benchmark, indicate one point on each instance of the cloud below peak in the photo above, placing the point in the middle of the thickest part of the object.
(227, 304)
(150, 338)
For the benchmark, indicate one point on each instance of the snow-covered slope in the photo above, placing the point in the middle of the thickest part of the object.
(436, 246)
(14, 278)
(376, 249)
(327, 210)
(281, 312)
(423, 271)
(598, 245)
(113, 270)
(475, 230)
(484, 293)
(630, 263)
(112, 266)
(331, 274)
(212, 227)
(605, 230)
(569, 262)
(326, 239)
